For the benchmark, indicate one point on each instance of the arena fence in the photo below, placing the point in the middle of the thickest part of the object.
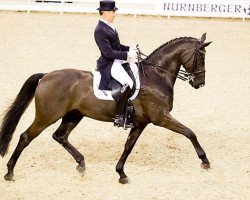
(192, 8)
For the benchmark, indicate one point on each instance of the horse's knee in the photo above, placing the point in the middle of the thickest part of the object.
(190, 134)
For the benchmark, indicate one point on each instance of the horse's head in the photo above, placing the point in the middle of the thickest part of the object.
(193, 62)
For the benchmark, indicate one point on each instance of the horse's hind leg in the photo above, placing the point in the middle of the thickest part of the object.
(69, 122)
(32, 132)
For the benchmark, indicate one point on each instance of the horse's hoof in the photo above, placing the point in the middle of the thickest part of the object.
(124, 180)
(9, 177)
(81, 169)
(205, 165)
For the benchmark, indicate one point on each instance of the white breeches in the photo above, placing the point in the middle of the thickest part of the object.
(119, 73)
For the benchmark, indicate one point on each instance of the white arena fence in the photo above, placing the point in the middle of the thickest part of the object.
(192, 8)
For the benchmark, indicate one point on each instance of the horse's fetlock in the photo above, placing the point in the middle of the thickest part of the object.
(118, 171)
(80, 160)
(202, 156)
(118, 168)
(9, 165)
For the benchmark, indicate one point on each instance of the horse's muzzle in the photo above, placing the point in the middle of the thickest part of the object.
(196, 85)
(199, 86)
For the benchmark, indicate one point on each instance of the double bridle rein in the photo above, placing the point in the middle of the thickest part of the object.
(183, 75)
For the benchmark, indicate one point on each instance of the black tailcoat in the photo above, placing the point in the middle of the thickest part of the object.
(109, 44)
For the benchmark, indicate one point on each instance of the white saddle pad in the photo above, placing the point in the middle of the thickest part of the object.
(106, 94)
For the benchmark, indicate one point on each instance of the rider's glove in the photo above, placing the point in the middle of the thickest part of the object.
(132, 54)
(134, 48)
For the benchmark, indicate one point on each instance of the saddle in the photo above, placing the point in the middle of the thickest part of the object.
(115, 92)
(116, 86)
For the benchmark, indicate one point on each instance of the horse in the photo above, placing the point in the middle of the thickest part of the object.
(67, 94)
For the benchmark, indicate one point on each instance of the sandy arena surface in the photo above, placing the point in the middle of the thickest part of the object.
(163, 164)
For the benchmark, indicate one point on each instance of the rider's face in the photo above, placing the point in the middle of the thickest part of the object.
(109, 16)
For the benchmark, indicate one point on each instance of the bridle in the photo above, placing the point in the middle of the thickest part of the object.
(191, 75)
(183, 75)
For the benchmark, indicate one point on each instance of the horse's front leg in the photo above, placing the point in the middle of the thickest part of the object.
(132, 138)
(172, 124)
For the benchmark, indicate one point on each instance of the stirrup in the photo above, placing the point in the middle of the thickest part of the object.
(126, 125)
(121, 122)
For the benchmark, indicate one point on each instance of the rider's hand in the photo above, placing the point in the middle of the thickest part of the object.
(134, 48)
(132, 54)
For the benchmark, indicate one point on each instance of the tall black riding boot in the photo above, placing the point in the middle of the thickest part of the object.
(119, 119)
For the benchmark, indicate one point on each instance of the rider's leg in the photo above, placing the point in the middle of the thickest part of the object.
(121, 104)
(119, 73)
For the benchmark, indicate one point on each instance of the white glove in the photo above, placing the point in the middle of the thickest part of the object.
(132, 54)
(133, 48)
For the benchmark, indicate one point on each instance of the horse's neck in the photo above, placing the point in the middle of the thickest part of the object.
(166, 62)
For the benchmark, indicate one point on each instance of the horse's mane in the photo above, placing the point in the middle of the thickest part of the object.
(170, 42)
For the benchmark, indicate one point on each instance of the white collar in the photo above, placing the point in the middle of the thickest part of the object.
(109, 24)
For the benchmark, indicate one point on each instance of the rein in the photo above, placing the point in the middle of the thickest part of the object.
(182, 75)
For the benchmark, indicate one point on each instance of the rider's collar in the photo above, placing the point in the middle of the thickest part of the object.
(109, 24)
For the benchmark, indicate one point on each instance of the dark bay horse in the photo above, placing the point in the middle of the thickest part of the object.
(68, 94)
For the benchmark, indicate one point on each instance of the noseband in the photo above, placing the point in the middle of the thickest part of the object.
(183, 75)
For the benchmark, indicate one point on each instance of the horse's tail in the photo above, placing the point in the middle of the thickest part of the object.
(16, 110)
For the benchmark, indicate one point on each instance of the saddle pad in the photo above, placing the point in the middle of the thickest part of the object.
(106, 94)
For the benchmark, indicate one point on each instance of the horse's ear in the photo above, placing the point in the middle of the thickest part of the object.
(203, 37)
(204, 45)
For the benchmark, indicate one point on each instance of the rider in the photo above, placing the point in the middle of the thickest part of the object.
(113, 54)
